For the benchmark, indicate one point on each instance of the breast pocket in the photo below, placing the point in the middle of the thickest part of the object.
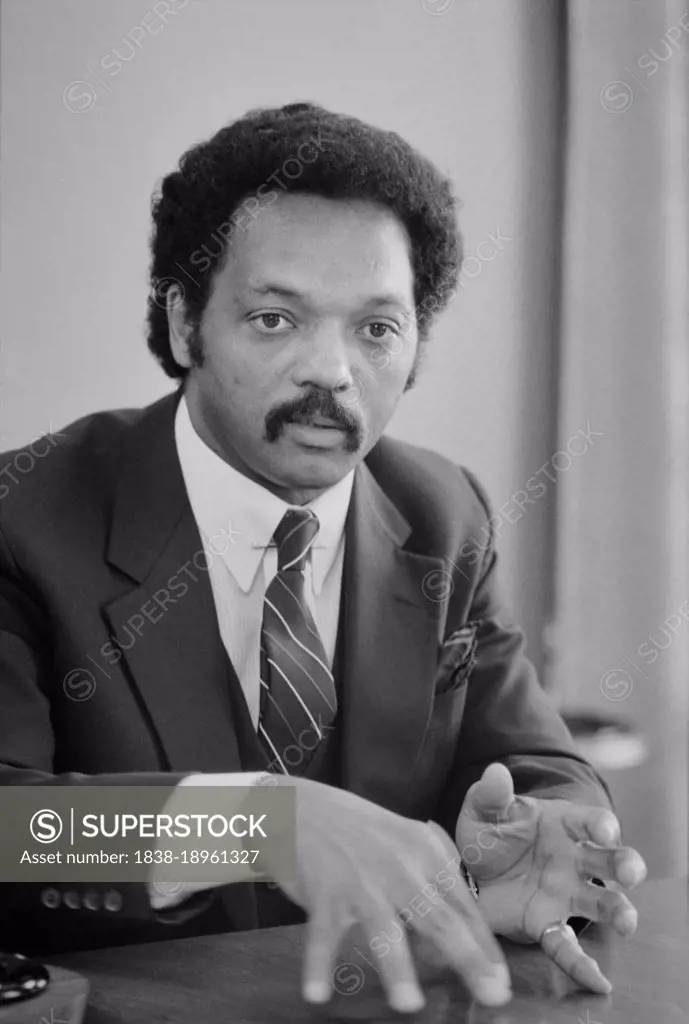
(457, 658)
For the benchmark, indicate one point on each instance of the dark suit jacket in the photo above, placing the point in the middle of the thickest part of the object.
(101, 526)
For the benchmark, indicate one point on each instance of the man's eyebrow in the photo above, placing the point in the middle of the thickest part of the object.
(387, 300)
(276, 289)
(272, 288)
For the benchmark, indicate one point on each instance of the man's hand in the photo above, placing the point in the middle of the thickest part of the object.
(533, 861)
(359, 863)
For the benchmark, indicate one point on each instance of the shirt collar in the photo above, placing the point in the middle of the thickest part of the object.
(237, 517)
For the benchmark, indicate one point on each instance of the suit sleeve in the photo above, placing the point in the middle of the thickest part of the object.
(32, 915)
(508, 717)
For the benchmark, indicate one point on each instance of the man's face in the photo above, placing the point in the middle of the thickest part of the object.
(308, 340)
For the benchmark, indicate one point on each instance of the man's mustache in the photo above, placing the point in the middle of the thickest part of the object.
(316, 403)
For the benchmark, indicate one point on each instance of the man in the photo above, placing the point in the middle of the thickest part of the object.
(259, 579)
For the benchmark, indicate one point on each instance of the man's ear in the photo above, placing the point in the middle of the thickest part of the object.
(180, 330)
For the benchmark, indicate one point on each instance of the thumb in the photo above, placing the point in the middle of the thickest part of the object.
(493, 795)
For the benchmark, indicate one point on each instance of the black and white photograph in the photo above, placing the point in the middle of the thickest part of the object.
(344, 511)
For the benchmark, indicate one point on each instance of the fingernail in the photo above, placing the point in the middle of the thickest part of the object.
(406, 998)
(627, 921)
(494, 989)
(605, 985)
(630, 874)
(611, 833)
(316, 992)
(502, 975)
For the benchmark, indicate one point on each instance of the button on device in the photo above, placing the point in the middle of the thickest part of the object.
(50, 898)
(92, 900)
(112, 900)
(72, 900)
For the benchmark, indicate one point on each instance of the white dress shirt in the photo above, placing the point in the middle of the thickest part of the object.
(237, 518)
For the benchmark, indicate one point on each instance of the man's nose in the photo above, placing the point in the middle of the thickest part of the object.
(324, 362)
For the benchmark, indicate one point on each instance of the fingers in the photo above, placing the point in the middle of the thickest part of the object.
(599, 826)
(462, 903)
(397, 972)
(456, 936)
(460, 899)
(620, 864)
(323, 936)
(373, 897)
(591, 824)
(607, 907)
(395, 965)
(562, 947)
(455, 924)
(387, 942)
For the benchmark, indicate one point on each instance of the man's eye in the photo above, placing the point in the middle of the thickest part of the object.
(271, 323)
(380, 331)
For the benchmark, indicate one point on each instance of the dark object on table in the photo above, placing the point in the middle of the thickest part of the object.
(21, 978)
(31, 992)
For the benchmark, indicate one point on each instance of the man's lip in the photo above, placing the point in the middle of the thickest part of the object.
(318, 421)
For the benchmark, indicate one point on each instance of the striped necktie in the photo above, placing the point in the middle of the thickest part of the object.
(298, 699)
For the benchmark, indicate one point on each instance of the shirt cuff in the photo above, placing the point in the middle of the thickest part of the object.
(159, 897)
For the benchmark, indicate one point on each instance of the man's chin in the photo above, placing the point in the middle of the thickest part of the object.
(312, 467)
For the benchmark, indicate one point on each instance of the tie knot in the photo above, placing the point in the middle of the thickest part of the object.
(294, 537)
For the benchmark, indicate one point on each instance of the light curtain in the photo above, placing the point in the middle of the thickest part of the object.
(622, 567)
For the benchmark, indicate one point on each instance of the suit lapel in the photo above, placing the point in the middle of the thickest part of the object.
(178, 663)
(173, 653)
(392, 634)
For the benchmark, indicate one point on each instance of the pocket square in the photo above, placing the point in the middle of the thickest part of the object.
(457, 658)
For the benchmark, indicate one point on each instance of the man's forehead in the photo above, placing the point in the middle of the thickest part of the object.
(281, 284)
(304, 224)
(352, 252)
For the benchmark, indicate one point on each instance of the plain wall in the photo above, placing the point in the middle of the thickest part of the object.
(471, 88)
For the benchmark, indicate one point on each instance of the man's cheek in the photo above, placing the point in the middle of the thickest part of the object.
(374, 413)
(385, 391)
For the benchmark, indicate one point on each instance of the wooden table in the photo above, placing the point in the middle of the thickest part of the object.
(253, 978)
